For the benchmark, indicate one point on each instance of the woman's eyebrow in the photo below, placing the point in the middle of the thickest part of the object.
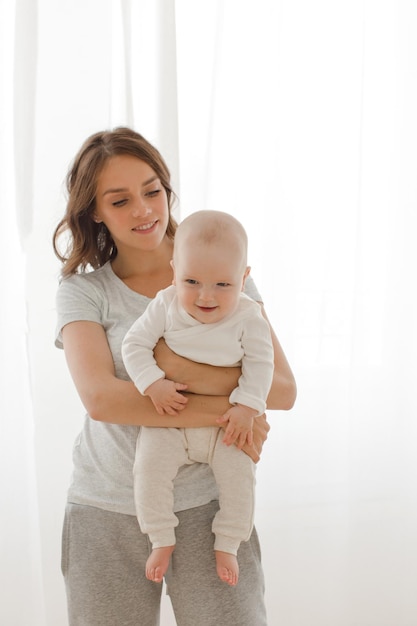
(116, 190)
(150, 180)
(124, 189)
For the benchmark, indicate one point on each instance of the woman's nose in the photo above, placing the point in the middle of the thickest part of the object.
(140, 209)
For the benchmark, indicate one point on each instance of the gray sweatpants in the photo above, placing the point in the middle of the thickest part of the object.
(103, 562)
(160, 452)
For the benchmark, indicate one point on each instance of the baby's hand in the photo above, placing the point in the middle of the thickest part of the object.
(239, 429)
(165, 397)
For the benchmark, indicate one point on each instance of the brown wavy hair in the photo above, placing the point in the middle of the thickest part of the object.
(90, 245)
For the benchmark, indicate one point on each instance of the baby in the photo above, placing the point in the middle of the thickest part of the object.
(203, 316)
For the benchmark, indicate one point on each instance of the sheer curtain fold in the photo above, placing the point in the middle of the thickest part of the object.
(20, 550)
(126, 9)
(24, 110)
(143, 89)
(298, 118)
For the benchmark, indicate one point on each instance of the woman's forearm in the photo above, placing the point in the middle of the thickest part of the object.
(283, 390)
(107, 398)
(283, 393)
(200, 377)
(125, 405)
(210, 380)
(134, 409)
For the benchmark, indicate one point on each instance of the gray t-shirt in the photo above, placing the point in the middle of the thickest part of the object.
(104, 453)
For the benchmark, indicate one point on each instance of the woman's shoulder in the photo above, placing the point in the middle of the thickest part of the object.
(86, 287)
(94, 279)
(97, 276)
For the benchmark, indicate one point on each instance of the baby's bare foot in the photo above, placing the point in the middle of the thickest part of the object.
(227, 567)
(158, 562)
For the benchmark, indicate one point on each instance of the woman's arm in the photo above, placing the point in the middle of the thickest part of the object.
(200, 378)
(283, 390)
(107, 398)
(110, 399)
(210, 380)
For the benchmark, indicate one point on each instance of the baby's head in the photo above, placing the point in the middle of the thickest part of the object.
(210, 264)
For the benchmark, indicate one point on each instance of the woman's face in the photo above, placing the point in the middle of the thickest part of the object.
(132, 203)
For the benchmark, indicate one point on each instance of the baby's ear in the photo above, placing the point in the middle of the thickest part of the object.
(245, 275)
(173, 269)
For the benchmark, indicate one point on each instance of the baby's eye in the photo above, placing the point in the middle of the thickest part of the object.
(223, 284)
(190, 281)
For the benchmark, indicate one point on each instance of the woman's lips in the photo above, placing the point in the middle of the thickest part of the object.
(143, 228)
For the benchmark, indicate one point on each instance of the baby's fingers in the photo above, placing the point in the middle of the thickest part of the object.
(231, 434)
(178, 406)
(180, 386)
(245, 437)
(180, 399)
(170, 410)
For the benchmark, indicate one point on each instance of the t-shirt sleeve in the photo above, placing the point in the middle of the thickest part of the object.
(77, 300)
(251, 290)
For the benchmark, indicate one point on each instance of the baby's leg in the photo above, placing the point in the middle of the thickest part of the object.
(158, 563)
(227, 567)
(197, 593)
(235, 476)
(159, 454)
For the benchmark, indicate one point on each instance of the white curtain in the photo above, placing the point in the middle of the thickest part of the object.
(299, 118)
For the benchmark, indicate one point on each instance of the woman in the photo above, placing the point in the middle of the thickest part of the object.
(119, 223)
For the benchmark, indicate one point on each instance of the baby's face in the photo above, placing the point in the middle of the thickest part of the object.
(209, 279)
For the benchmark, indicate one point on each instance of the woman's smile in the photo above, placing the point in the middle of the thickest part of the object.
(143, 228)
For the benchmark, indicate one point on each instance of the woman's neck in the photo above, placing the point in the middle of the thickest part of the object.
(145, 271)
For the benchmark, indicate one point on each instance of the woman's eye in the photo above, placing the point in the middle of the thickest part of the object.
(153, 193)
(118, 203)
